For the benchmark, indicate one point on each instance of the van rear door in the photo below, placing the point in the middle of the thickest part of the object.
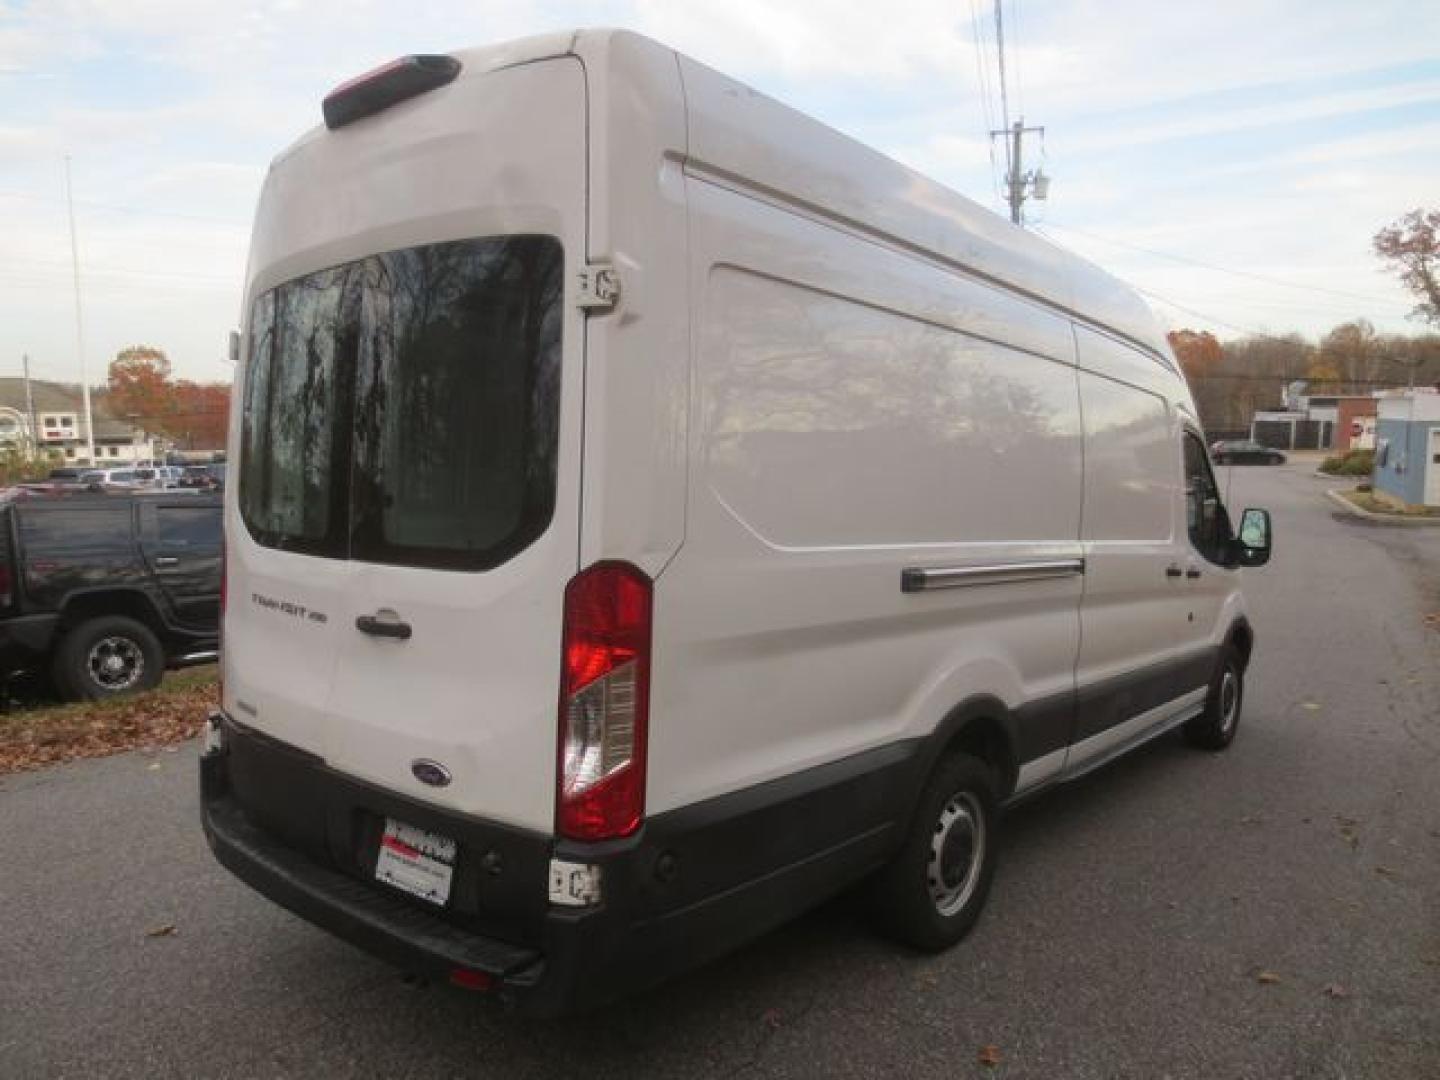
(408, 493)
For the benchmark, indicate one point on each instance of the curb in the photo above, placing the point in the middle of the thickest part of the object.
(1384, 519)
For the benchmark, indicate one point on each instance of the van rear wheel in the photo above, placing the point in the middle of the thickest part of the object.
(107, 656)
(932, 893)
(1214, 729)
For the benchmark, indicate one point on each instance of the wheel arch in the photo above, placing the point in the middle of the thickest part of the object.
(94, 603)
(1242, 637)
(982, 726)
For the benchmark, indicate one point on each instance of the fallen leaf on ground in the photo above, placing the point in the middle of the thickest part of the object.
(168, 930)
(1335, 990)
(1269, 978)
(1385, 871)
(990, 1056)
(1312, 706)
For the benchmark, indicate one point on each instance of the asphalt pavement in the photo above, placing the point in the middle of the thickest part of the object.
(1272, 911)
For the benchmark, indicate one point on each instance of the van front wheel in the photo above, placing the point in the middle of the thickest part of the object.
(931, 894)
(1214, 729)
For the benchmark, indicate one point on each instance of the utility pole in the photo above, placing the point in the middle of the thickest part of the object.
(79, 321)
(1017, 181)
(30, 409)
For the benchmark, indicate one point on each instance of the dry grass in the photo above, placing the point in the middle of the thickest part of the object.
(1366, 501)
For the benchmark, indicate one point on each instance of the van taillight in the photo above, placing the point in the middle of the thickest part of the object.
(604, 703)
(7, 586)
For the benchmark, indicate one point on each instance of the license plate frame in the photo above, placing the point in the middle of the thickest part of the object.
(416, 861)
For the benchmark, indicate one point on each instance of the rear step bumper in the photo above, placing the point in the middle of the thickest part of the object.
(691, 885)
(386, 926)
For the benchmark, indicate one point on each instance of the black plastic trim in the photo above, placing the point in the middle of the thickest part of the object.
(375, 91)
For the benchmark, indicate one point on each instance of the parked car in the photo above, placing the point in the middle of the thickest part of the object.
(104, 592)
(750, 567)
(1245, 452)
(113, 479)
(202, 476)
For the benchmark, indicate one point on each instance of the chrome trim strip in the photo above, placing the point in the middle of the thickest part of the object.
(925, 578)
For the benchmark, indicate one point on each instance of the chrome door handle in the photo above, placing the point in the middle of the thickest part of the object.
(166, 560)
(384, 623)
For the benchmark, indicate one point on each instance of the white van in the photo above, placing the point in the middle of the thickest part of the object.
(656, 512)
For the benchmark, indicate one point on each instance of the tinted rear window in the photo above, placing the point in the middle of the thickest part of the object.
(188, 527)
(403, 408)
(74, 530)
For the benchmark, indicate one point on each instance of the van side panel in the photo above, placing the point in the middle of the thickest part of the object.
(1134, 590)
(637, 358)
(849, 423)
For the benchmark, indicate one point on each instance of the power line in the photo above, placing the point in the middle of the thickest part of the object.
(122, 209)
(1000, 51)
(1223, 269)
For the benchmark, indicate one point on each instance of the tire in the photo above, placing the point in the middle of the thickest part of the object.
(930, 895)
(1214, 729)
(107, 656)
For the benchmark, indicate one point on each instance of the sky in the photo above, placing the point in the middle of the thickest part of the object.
(1230, 159)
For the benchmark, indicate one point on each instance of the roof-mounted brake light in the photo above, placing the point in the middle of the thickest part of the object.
(368, 94)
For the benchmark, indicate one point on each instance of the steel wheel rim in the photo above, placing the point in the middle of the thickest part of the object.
(1229, 699)
(115, 663)
(957, 851)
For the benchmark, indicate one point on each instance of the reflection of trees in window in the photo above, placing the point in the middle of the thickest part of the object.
(433, 374)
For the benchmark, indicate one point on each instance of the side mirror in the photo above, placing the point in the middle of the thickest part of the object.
(1252, 546)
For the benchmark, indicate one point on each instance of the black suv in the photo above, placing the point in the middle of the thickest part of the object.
(106, 591)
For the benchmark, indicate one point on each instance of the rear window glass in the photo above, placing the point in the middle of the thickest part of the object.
(403, 408)
(62, 530)
(188, 527)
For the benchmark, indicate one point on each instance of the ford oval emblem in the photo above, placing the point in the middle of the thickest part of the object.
(430, 772)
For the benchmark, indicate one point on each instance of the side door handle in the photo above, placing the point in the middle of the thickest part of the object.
(1173, 571)
(162, 561)
(1192, 573)
(384, 623)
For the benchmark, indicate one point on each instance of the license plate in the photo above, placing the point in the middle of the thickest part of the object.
(420, 863)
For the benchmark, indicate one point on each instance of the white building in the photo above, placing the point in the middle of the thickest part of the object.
(51, 423)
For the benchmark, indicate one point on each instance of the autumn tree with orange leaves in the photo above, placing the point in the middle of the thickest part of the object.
(194, 415)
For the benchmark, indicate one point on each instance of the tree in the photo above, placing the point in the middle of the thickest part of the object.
(1410, 248)
(1351, 354)
(139, 383)
(1198, 352)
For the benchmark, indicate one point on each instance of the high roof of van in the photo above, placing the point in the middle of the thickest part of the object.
(748, 140)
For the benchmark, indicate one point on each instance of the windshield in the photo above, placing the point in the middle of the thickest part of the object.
(403, 408)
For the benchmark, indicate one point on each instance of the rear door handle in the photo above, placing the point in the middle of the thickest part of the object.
(1192, 573)
(1173, 571)
(384, 623)
(166, 560)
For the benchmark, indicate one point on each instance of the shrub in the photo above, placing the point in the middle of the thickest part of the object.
(1350, 463)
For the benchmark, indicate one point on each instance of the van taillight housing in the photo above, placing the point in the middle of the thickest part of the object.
(604, 703)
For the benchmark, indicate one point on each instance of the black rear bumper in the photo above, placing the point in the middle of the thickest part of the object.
(691, 885)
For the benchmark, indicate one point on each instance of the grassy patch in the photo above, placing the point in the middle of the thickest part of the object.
(1366, 501)
(171, 713)
(1350, 463)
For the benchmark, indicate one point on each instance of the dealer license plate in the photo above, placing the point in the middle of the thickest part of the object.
(419, 862)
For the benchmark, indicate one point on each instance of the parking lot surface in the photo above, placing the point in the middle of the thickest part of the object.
(1272, 911)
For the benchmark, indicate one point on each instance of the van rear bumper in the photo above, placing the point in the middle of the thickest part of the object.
(690, 886)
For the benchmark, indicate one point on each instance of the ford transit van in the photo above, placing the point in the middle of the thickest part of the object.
(656, 512)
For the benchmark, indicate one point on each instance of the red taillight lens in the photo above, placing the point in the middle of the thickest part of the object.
(604, 703)
(7, 586)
